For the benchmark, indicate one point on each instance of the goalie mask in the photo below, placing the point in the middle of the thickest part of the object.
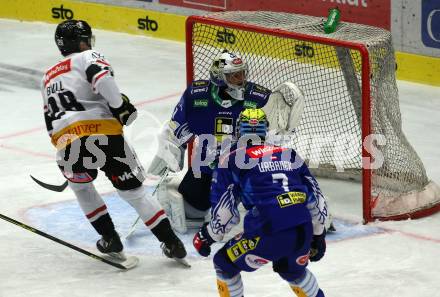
(252, 122)
(229, 70)
(69, 35)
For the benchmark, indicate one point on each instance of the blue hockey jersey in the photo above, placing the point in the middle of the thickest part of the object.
(273, 184)
(204, 109)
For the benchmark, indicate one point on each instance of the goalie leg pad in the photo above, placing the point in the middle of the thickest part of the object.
(147, 206)
(172, 202)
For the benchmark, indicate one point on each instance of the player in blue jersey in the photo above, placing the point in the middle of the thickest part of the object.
(207, 111)
(285, 218)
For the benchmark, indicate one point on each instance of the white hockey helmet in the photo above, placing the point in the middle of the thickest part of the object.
(229, 69)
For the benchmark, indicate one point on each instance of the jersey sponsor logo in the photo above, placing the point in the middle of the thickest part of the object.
(259, 151)
(431, 23)
(250, 104)
(200, 103)
(303, 50)
(126, 175)
(62, 13)
(291, 198)
(85, 128)
(224, 126)
(258, 94)
(302, 260)
(225, 36)
(226, 103)
(225, 112)
(147, 24)
(261, 89)
(242, 247)
(254, 261)
(199, 90)
(200, 83)
(58, 69)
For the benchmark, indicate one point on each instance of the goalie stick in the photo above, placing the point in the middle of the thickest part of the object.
(54, 188)
(129, 263)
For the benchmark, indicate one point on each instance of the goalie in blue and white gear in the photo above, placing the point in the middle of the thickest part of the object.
(208, 110)
(285, 215)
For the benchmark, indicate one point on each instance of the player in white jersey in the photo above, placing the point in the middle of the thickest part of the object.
(85, 113)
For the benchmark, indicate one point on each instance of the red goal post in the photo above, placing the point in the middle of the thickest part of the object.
(349, 83)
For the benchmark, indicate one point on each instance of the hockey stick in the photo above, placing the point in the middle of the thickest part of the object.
(55, 188)
(57, 240)
(133, 226)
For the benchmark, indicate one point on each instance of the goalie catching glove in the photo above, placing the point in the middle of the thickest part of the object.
(284, 108)
(126, 113)
(202, 241)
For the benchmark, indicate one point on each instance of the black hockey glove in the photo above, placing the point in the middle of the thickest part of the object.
(202, 241)
(126, 113)
(318, 247)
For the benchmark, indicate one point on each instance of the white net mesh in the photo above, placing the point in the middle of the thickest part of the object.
(329, 136)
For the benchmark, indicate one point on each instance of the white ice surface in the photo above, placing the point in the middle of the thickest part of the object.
(402, 259)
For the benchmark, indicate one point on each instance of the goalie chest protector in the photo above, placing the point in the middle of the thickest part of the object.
(208, 113)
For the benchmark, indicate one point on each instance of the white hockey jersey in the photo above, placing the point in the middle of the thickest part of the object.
(72, 103)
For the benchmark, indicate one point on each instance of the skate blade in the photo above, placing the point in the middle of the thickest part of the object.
(128, 262)
(183, 262)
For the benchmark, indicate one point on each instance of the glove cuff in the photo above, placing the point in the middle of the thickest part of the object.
(205, 230)
(126, 113)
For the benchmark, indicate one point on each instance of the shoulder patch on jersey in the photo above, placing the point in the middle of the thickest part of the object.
(199, 87)
(96, 55)
(259, 151)
(256, 94)
(56, 70)
(200, 83)
(261, 89)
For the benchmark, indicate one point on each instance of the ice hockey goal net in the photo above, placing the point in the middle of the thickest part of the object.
(351, 120)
